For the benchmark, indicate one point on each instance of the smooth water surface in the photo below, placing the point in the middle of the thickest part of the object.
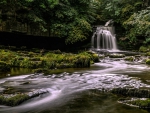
(79, 90)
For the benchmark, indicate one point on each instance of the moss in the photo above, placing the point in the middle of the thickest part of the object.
(143, 49)
(148, 61)
(148, 54)
(49, 60)
(9, 90)
(81, 61)
(14, 100)
(64, 65)
(95, 58)
(35, 59)
(141, 103)
(130, 58)
(116, 55)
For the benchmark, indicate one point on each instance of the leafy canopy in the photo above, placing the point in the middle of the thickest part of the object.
(69, 19)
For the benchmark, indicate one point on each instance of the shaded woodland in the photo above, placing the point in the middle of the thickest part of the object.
(73, 20)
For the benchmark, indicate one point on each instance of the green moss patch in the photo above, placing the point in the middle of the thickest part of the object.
(144, 49)
(14, 100)
(129, 58)
(148, 61)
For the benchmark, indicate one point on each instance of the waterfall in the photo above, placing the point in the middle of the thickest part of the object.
(104, 38)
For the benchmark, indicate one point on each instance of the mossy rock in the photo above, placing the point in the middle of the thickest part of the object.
(14, 100)
(143, 49)
(95, 57)
(64, 65)
(130, 58)
(148, 61)
(4, 67)
(141, 103)
(148, 54)
(9, 90)
(116, 55)
(81, 61)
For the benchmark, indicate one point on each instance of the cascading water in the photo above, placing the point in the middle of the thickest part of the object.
(104, 38)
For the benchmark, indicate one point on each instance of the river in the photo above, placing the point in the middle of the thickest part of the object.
(83, 90)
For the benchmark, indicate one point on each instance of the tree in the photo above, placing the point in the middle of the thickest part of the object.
(139, 25)
(69, 19)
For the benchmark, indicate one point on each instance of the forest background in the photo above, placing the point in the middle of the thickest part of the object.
(73, 20)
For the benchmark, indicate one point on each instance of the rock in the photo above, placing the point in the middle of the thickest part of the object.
(148, 61)
(129, 58)
(116, 55)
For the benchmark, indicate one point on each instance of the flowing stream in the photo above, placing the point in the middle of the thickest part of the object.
(83, 90)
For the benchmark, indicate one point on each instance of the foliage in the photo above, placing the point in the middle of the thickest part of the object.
(130, 16)
(118, 10)
(139, 25)
(69, 19)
